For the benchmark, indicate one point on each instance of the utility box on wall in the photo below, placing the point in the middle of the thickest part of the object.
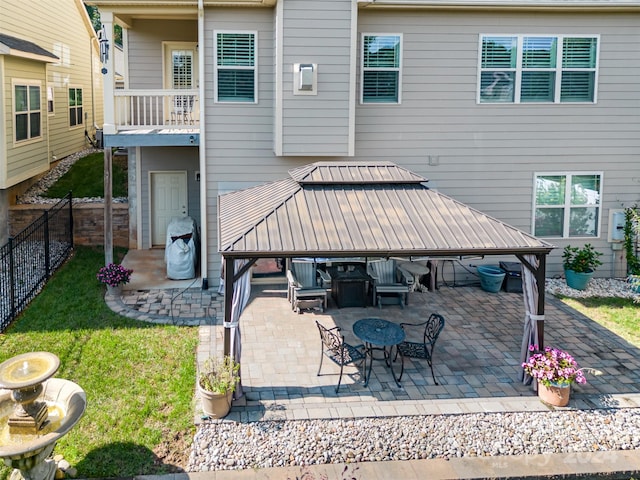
(617, 221)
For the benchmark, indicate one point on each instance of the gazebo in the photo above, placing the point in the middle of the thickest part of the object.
(364, 209)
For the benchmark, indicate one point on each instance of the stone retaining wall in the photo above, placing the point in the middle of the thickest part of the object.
(88, 222)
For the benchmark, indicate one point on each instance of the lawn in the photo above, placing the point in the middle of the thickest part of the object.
(619, 315)
(139, 378)
(85, 178)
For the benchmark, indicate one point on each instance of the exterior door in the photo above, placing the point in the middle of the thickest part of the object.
(168, 200)
(181, 73)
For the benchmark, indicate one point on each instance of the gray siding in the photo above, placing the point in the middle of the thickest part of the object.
(166, 159)
(320, 33)
(145, 48)
(487, 155)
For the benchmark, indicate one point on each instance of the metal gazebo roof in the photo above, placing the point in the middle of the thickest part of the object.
(345, 209)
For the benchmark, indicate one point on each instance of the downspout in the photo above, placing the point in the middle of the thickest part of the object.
(202, 153)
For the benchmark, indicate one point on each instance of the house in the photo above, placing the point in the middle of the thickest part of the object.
(525, 110)
(51, 96)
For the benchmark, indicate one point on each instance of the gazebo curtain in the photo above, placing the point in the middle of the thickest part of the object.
(531, 318)
(241, 294)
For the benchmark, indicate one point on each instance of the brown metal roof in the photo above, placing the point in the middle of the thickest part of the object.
(331, 209)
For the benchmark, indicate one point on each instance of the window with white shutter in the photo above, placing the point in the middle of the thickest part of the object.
(235, 76)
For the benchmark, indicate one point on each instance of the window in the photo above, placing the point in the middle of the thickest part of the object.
(536, 69)
(567, 205)
(235, 77)
(380, 79)
(27, 110)
(50, 100)
(75, 107)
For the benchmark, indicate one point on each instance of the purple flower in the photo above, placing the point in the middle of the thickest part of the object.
(114, 274)
(553, 367)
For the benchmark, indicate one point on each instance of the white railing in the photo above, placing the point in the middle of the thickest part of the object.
(145, 109)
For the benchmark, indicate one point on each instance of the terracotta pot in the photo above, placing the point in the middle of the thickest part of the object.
(215, 405)
(558, 396)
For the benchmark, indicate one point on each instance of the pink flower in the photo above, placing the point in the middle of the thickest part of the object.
(553, 367)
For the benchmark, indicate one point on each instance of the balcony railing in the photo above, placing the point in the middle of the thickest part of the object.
(147, 109)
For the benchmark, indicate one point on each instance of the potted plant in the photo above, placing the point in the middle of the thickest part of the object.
(114, 276)
(217, 381)
(579, 265)
(554, 370)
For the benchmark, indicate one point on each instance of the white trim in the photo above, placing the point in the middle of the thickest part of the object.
(167, 47)
(558, 69)
(279, 100)
(254, 68)
(353, 71)
(398, 69)
(19, 82)
(567, 203)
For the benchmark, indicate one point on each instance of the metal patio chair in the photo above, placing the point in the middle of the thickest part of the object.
(337, 350)
(432, 328)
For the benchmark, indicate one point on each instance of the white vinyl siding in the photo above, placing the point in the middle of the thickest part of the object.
(567, 204)
(381, 68)
(27, 110)
(235, 67)
(538, 69)
(75, 107)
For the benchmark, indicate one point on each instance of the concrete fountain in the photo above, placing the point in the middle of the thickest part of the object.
(35, 411)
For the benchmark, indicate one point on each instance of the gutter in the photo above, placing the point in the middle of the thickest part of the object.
(506, 4)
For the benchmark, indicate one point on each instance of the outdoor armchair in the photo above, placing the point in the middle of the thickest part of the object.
(429, 330)
(389, 280)
(337, 350)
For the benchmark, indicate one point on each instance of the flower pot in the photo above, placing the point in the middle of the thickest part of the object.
(114, 291)
(491, 277)
(556, 395)
(215, 405)
(577, 280)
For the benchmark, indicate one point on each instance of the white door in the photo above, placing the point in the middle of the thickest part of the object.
(168, 200)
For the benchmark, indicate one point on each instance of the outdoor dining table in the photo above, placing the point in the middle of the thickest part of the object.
(379, 334)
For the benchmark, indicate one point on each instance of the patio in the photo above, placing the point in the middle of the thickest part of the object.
(476, 359)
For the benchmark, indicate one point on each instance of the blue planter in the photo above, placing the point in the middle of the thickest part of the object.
(577, 280)
(491, 277)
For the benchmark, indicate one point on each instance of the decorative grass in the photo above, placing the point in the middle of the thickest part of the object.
(139, 378)
(620, 315)
(85, 178)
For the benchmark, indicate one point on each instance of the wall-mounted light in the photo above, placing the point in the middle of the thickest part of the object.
(104, 49)
(305, 78)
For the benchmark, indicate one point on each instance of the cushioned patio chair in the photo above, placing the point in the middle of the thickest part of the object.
(337, 350)
(430, 331)
(389, 280)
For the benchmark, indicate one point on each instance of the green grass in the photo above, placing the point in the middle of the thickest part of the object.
(619, 315)
(85, 178)
(139, 378)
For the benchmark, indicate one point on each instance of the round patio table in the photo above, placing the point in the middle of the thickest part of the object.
(379, 334)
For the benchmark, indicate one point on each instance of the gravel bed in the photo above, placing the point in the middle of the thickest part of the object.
(225, 445)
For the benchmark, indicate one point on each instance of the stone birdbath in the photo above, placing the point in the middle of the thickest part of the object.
(35, 411)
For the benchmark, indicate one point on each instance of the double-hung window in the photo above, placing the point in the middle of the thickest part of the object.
(538, 69)
(75, 107)
(567, 204)
(27, 110)
(235, 76)
(381, 68)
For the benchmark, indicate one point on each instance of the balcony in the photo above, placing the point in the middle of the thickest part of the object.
(156, 109)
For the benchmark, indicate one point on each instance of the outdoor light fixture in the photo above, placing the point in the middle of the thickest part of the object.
(104, 48)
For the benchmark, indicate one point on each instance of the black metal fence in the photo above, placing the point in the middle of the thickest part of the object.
(31, 257)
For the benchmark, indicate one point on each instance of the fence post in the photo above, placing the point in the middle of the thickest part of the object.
(47, 244)
(71, 219)
(13, 281)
